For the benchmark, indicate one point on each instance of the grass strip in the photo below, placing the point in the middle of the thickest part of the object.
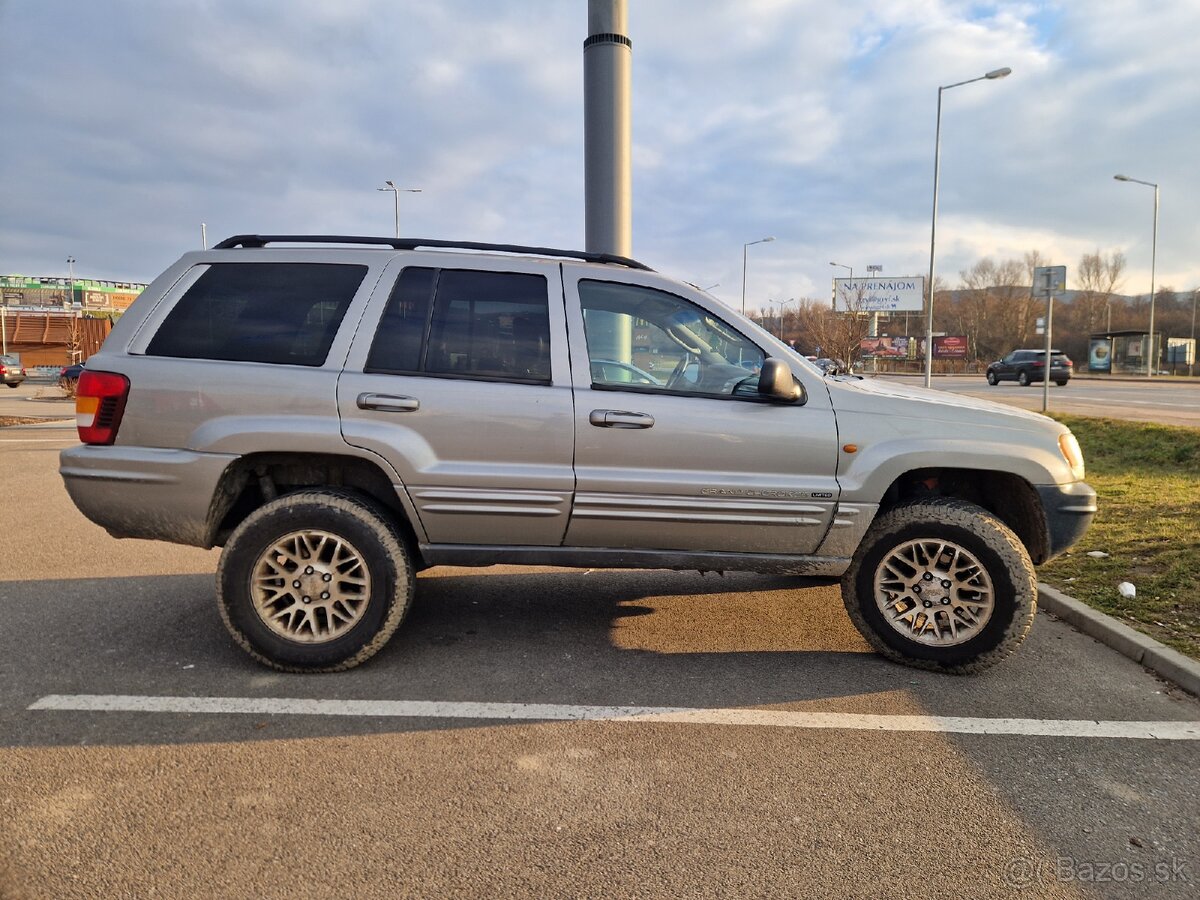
(1148, 480)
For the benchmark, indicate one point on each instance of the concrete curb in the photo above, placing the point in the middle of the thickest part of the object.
(1142, 649)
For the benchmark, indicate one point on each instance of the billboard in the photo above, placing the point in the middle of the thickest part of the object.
(1181, 351)
(950, 346)
(900, 294)
(886, 347)
(1100, 355)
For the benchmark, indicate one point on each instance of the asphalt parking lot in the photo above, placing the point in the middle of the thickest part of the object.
(547, 732)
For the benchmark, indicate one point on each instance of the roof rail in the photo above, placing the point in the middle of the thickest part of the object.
(261, 240)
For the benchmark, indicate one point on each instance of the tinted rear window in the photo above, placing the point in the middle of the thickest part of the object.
(284, 313)
(465, 324)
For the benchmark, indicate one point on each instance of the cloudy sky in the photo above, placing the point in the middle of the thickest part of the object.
(127, 123)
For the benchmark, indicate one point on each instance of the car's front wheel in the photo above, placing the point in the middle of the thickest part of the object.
(315, 581)
(992, 379)
(941, 584)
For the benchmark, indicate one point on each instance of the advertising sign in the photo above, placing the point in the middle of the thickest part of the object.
(1100, 355)
(867, 295)
(950, 346)
(1181, 351)
(884, 348)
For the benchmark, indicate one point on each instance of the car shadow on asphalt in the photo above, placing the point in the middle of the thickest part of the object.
(556, 636)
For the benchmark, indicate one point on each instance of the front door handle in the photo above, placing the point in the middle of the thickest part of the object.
(618, 418)
(388, 403)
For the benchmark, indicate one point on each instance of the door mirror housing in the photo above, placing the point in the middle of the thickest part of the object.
(777, 382)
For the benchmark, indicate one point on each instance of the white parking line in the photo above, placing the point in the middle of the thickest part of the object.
(1169, 731)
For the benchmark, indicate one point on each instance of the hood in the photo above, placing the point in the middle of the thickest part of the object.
(873, 396)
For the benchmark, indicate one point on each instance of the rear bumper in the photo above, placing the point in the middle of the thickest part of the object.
(144, 492)
(1069, 509)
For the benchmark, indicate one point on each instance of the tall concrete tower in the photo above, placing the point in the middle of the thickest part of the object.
(607, 133)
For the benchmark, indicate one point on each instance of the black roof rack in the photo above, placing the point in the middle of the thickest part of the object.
(261, 240)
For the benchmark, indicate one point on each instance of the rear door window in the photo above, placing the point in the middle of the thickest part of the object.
(465, 324)
(282, 313)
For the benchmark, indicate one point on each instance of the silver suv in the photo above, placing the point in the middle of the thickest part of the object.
(338, 417)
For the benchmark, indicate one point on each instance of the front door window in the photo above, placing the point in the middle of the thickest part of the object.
(648, 340)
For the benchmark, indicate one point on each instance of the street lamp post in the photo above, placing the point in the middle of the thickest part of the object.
(1150, 360)
(71, 289)
(396, 196)
(937, 159)
(1193, 357)
(850, 269)
(765, 240)
(781, 304)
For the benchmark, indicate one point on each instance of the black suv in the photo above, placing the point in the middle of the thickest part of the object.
(1027, 367)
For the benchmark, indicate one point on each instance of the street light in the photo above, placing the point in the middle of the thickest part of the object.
(781, 304)
(396, 195)
(1193, 362)
(1153, 259)
(851, 271)
(71, 289)
(937, 159)
(765, 240)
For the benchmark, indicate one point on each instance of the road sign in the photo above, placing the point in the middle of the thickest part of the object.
(1049, 280)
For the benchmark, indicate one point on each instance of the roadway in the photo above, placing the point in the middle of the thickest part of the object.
(1165, 400)
(481, 752)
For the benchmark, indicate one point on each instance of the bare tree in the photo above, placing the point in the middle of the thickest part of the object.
(839, 335)
(1098, 279)
(74, 339)
(993, 309)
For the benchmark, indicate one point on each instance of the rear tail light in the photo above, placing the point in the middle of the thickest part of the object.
(99, 405)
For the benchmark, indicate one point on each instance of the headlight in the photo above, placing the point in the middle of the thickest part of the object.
(1071, 453)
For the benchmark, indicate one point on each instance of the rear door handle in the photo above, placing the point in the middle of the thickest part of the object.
(388, 403)
(617, 418)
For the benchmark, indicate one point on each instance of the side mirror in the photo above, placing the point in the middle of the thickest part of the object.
(777, 382)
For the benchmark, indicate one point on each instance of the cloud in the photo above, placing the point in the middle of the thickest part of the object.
(809, 121)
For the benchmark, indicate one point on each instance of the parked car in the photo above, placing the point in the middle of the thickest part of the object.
(1027, 367)
(338, 417)
(12, 372)
(70, 374)
(833, 366)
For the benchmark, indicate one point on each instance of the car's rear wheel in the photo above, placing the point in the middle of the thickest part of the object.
(1023, 378)
(992, 379)
(1062, 383)
(941, 584)
(315, 581)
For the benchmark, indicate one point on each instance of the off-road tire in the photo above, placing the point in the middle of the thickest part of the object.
(992, 379)
(1023, 378)
(349, 516)
(989, 540)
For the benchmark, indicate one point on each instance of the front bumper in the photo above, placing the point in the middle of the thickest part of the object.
(1068, 509)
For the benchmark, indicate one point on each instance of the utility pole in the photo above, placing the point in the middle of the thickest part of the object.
(607, 129)
(607, 158)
